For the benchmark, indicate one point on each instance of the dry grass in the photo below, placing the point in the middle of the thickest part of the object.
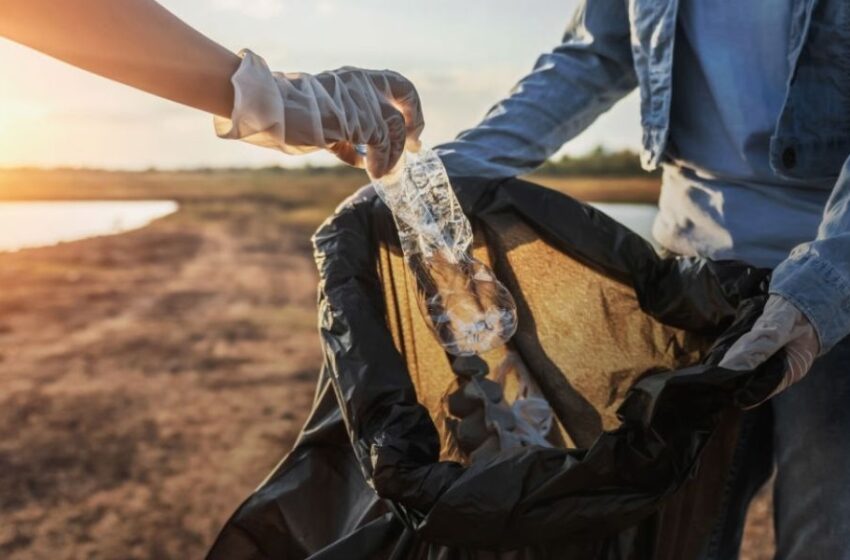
(602, 189)
(148, 381)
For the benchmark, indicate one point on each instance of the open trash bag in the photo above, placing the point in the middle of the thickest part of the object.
(630, 455)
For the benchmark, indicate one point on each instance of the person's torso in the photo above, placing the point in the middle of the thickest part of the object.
(721, 198)
(723, 123)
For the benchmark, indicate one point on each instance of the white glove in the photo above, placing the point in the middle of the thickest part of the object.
(781, 325)
(338, 111)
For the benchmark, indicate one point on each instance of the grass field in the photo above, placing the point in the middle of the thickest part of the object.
(149, 380)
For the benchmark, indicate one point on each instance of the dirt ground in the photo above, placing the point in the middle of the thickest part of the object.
(149, 381)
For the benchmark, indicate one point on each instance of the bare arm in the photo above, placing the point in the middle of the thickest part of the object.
(141, 44)
(136, 42)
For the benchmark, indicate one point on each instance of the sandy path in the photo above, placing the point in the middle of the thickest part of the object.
(150, 381)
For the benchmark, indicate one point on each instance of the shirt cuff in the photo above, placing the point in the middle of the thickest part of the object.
(819, 290)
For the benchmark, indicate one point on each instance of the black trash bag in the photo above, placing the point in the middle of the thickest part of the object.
(365, 478)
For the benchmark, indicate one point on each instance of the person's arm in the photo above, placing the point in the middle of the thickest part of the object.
(567, 90)
(816, 275)
(136, 42)
(808, 311)
(141, 44)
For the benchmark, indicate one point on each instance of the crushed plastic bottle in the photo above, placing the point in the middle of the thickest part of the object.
(468, 309)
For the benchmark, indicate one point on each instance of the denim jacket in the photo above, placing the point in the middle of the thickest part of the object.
(613, 46)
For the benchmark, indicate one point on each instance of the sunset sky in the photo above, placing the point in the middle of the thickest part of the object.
(462, 55)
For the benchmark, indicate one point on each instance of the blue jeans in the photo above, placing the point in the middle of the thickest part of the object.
(810, 447)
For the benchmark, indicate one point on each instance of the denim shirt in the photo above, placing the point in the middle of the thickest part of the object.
(613, 46)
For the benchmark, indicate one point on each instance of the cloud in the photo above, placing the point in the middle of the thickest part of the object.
(259, 9)
(156, 112)
(495, 80)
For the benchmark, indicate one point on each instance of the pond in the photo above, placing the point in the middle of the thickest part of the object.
(35, 224)
(637, 217)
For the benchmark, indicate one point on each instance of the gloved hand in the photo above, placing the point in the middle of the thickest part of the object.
(781, 325)
(337, 111)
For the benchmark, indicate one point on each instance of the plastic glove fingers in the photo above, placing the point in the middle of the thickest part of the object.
(354, 108)
(778, 320)
(387, 143)
(801, 353)
(751, 350)
(780, 310)
(396, 90)
(347, 153)
(377, 108)
(798, 361)
(367, 120)
(406, 99)
(773, 330)
(348, 105)
(310, 118)
(298, 113)
(783, 326)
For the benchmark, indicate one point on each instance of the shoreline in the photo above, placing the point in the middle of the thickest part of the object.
(74, 220)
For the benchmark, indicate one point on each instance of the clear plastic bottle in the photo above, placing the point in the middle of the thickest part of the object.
(468, 309)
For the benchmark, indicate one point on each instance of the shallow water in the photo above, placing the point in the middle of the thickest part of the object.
(637, 217)
(35, 224)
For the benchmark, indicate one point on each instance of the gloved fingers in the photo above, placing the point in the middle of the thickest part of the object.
(347, 153)
(800, 353)
(775, 328)
(797, 363)
(387, 143)
(369, 119)
(311, 115)
(338, 110)
(781, 326)
(752, 349)
(406, 99)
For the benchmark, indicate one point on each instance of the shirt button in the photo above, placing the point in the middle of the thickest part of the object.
(789, 158)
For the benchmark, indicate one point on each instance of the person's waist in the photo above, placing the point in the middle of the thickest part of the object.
(757, 222)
